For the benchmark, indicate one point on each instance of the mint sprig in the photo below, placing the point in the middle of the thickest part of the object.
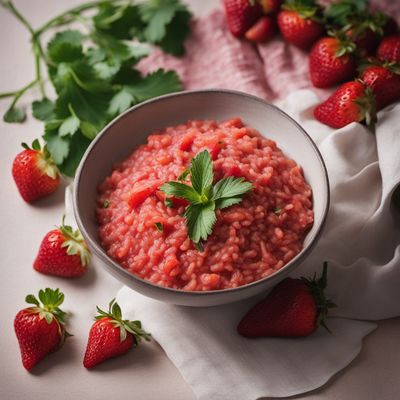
(204, 197)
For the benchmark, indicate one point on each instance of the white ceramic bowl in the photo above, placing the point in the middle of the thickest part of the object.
(119, 138)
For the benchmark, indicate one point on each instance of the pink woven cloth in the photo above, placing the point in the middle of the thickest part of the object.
(215, 59)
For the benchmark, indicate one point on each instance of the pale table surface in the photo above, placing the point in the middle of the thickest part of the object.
(145, 373)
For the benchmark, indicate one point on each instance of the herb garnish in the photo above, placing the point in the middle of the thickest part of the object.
(204, 197)
(92, 69)
(159, 226)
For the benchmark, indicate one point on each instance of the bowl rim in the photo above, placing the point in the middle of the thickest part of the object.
(100, 252)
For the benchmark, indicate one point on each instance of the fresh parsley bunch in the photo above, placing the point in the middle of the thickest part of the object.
(92, 70)
(204, 196)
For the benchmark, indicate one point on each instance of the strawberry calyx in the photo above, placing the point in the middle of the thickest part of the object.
(74, 243)
(124, 325)
(49, 308)
(45, 161)
(344, 44)
(392, 66)
(306, 9)
(367, 107)
(317, 288)
(373, 22)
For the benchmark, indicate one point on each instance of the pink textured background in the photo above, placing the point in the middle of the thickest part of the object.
(215, 59)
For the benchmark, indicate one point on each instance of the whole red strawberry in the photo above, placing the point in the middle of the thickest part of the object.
(40, 329)
(332, 61)
(35, 173)
(294, 308)
(352, 102)
(384, 80)
(389, 49)
(262, 30)
(111, 336)
(300, 23)
(63, 252)
(241, 15)
(270, 6)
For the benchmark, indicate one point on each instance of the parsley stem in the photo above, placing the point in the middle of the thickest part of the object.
(18, 94)
(70, 15)
(10, 6)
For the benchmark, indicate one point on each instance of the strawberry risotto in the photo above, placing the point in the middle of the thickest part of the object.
(249, 240)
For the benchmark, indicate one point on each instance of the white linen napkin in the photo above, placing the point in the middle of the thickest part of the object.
(361, 241)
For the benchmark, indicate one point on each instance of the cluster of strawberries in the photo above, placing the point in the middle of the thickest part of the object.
(347, 43)
(40, 329)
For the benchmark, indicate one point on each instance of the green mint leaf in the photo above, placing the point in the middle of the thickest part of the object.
(43, 110)
(69, 126)
(231, 187)
(155, 84)
(120, 102)
(200, 220)
(182, 191)
(202, 172)
(224, 203)
(14, 114)
(159, 226)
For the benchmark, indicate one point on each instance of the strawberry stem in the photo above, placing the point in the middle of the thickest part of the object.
(317, 288)
(115, 314)
(49, 307)
(74, 242)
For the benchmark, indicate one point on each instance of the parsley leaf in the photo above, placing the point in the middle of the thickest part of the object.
(204, 198)
(14, 114)
(43, 110)
(167, 22)
(155, 84)
(92, 70)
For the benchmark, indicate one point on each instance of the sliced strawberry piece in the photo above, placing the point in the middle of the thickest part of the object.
(262, 30)
(142, 191)
(241, 15)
